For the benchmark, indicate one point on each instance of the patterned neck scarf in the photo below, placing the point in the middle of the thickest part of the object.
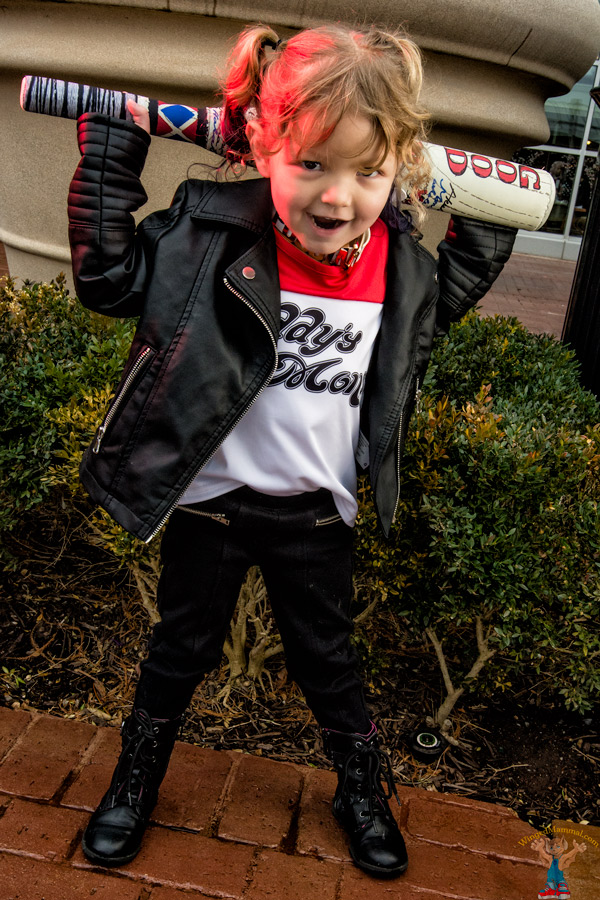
(346, 257)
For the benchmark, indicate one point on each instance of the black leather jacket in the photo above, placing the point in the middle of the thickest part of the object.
(202, 277)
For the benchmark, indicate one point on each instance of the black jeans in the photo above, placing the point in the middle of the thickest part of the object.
(304, 551)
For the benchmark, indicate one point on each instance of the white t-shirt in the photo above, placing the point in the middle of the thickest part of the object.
(301, 433)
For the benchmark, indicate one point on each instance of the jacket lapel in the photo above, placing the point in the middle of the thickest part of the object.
(254, 274)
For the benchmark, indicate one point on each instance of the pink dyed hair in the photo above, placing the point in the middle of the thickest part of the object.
(300, 91)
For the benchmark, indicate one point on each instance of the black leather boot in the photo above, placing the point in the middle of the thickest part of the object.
(361, 802)
(114, 833)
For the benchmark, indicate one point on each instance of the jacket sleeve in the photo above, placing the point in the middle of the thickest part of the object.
(470, 259)
(109, 266)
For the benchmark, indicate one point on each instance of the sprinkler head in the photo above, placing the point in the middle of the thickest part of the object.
(426, 743)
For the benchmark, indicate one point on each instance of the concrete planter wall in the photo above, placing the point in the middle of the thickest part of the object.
(491, 64)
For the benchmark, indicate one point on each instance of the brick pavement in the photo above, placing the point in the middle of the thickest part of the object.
(231, 825)
(3, 261)
(535, 290)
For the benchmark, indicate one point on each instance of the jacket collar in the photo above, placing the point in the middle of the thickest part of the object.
(244, 203)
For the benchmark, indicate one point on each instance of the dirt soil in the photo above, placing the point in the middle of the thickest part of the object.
(72, 631)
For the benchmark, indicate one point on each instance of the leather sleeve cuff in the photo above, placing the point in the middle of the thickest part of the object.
(124, 142)
(470, 263)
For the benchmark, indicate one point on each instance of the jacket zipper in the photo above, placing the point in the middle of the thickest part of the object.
(117, 402)
(398, 454)
(263, 322)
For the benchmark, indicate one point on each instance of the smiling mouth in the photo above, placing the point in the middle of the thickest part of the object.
(327, 223)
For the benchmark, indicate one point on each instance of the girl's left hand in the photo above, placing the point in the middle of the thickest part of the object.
(139, 114)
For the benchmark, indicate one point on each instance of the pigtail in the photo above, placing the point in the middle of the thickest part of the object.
(246, 67)
(405, 81)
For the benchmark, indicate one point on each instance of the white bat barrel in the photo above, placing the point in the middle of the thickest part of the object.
(489, 189)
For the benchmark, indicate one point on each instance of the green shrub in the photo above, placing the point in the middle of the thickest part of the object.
(495, 558)
(497, 548)
(53, 354)
(533, 373)
(59, 365)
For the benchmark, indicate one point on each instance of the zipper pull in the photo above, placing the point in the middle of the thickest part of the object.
(98, 439)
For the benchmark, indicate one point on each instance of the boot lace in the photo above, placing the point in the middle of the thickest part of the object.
(375, 772)
(137, 762)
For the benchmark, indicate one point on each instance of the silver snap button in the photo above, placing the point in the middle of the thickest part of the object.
(435, 277)
(248, 272)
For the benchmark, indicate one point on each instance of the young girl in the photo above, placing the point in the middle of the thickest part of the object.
(285, 325)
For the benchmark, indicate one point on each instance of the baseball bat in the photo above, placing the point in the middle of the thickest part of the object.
(470, 184)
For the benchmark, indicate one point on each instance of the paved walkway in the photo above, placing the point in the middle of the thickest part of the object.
(230, 825)
(3, 262)
(535, 290)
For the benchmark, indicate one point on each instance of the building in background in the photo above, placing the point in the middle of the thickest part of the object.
(490, 65)
(571, 156)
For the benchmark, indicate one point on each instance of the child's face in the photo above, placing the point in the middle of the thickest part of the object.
(329, 194)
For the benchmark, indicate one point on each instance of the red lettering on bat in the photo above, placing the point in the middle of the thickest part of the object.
(457, 161)
(482, 166)
(507, 171)
(526, 176)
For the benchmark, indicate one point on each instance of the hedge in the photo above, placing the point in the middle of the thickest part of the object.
(495, 557)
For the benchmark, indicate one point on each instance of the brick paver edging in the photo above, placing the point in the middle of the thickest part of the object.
(231, 825)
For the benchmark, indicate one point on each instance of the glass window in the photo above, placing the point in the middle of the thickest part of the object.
(570, 156)
(563, 168)
(594, 138)
(584, 194)
(567, 115)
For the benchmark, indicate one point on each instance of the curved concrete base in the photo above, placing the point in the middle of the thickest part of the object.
(490, 64)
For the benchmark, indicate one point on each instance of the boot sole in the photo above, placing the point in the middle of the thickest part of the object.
(378, 870)
(365, 867)
(107, 861)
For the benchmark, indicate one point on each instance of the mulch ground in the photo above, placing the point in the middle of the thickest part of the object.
(72, 631)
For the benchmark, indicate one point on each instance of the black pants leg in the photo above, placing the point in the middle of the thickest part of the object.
(309, 583)
(307, 570)
(202, 572)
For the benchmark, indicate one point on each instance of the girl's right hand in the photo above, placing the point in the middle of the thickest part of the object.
(139, 114)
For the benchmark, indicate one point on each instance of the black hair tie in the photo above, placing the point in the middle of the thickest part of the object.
(267, 42)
